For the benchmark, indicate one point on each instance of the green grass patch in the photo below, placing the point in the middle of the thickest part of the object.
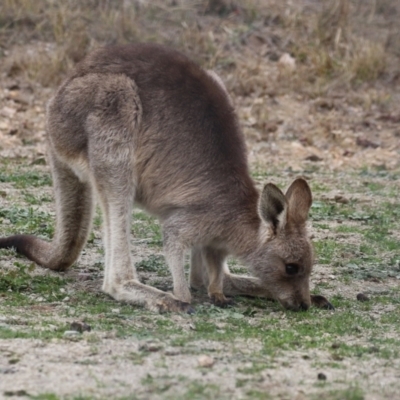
(352, 393)
(147, 228)
(27, 220)
(18, 280)
(153, 263)
(21, 178)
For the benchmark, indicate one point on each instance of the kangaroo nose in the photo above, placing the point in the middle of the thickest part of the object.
(304, 306)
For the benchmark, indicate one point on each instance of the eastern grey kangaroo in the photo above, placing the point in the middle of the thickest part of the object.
(144, 124)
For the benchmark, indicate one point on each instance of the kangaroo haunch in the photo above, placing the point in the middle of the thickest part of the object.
(144, 124)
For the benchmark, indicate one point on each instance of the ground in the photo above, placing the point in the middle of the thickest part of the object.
(317, 93)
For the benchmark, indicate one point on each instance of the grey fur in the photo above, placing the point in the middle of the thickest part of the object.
(143, 124)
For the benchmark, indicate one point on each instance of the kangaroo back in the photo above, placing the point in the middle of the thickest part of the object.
(189, 134)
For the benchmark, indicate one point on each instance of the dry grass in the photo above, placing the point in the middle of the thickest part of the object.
(236, 38)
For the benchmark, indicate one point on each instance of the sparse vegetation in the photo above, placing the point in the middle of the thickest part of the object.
(276, 334)
(321, 38)
(327, 110)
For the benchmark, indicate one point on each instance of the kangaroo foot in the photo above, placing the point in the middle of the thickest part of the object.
(135, 292)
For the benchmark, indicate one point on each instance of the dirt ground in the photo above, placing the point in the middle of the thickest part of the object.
(332, 133)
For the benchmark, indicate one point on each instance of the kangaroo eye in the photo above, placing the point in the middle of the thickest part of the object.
(292, 269)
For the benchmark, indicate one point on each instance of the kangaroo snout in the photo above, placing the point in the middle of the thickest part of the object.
(296, 306)
(296, 302)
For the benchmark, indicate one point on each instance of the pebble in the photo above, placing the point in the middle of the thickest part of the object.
(8, 112)
(287, 61)
(341, 199)
(19, 97)
(10, 370)
(17, 393)
(151, 346)
(4, 125)
(321, 376)
(205, 361)
(172, 351)
(362, 297)
(80, 327)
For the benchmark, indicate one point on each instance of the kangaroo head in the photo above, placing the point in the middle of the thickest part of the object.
(284, 258)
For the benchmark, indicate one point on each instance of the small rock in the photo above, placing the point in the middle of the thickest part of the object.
(8, 112)
(341, 199)
(80, 327)
(13, 86)
(172, 351)
(313, 158)
(151, 346)
(10, 370)
(362, 297)
(321, 376)
(19, 97)
(324, 104)
(115, 310)
(4, 125)
(110, 335)
(205, 361)
(192, 327)
(373, 349)
(16, 393)
(287, 61)
(270, 127)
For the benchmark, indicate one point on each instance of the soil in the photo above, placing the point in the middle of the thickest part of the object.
(340, 132)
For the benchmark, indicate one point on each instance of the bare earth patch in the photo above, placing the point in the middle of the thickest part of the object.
(312, 102)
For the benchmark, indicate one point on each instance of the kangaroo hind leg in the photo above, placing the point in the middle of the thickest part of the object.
(112, 128)
(115, 188)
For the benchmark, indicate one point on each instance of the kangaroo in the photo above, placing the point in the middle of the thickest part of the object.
(143, 124)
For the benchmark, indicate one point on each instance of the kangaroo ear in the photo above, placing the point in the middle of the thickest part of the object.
(299, 199)
(272, 206)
